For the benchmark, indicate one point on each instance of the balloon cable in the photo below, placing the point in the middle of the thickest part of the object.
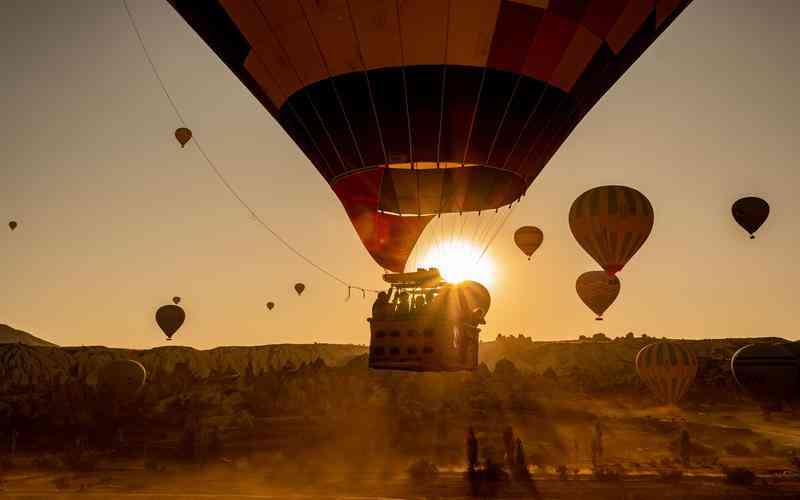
(222, 178)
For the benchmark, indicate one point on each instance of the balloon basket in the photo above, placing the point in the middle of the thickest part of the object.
(752, 237)
(598, 318)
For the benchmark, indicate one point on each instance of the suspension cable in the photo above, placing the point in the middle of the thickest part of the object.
(261, 222)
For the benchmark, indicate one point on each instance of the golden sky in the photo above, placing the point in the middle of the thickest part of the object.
(115, 219)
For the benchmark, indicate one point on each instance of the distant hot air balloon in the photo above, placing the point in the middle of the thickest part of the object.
(768, 372)
(427, 107)
(611, 223)
(13, 224)
(270, 305)
(597, 290)
(667, 369)
(121, 379)
(299, 287)
(170, 318)
(528, 239)
(750, 213)
(183, 135)
(176, 300)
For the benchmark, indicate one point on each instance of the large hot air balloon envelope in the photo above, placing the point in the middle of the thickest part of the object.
(528, 239)
(750, 213)
(12, 224)
(121, 379)
(768, 372)
(183, 135)
(597, 290)
(611, 223)
(667, 369)
(170, 318)
(299, 287)
(424, 107)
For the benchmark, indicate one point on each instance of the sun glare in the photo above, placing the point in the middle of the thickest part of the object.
(459, 261)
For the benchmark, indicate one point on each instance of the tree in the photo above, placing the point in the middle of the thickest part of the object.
(685, 445)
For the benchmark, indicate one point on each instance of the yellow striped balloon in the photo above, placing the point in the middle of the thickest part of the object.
(611, 223)
(528, 239)
(597, 290)
(667, 369)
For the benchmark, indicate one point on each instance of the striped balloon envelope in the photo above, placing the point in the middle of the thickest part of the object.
(667, 369)
(415, 108)
(597, 290)
(768, 372)
(611, 223)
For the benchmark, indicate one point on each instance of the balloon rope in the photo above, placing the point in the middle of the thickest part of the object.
(222, 178)
(499, 228)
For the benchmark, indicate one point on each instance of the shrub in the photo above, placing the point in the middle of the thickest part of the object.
(739, 475)
(422, 470)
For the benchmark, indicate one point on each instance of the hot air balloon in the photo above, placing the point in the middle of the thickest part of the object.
(170, 318)
(768, 372)
(176, 300)
(597, 290)
(183, 135)
(750, 213)
(611, 223)
(420, 108)
(121, 379)
(12, 224)
(299, 287)
(528, 239)
(667, 369)
(270, 305)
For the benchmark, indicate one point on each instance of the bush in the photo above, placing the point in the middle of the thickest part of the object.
(672, 475)
(422, 470)
(739, 475)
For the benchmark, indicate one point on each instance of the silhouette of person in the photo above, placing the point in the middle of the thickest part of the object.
(419, 304)
(379, 306)
(472, 449)
(403, 303)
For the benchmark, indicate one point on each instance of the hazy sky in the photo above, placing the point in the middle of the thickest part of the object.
(116, 219)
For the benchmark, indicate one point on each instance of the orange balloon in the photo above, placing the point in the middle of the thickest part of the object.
(183, 135)
(528, 239)
(597, 290)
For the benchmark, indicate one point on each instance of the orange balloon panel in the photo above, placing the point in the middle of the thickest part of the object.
(667, 369)
(458, 105)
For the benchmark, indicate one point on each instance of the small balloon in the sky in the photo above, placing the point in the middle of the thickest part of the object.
(750, 212)
(12, 224)
(299, 287)
(183, 135)
(270, 305)
(528, 239)
(597, 290)
(176, 300)
(170, 318)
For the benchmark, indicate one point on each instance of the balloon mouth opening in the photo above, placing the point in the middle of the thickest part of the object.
(752, 237)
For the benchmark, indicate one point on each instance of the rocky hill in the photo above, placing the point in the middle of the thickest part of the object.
(9, 335)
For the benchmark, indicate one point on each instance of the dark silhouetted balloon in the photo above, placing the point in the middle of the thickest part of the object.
(490, 91)
(169, 319)
(528, 239)
(270, 305)
(667, 369)
(176, 300)
(768, 372)
(183, 135)
(597, 290)
(13, 224)
(750, 213)
(611, 223)
(121, 379)
(299, 287)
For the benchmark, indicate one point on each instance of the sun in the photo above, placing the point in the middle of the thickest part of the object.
(460, 260)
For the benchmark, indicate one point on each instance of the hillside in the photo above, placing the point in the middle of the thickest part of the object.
(9, 335)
